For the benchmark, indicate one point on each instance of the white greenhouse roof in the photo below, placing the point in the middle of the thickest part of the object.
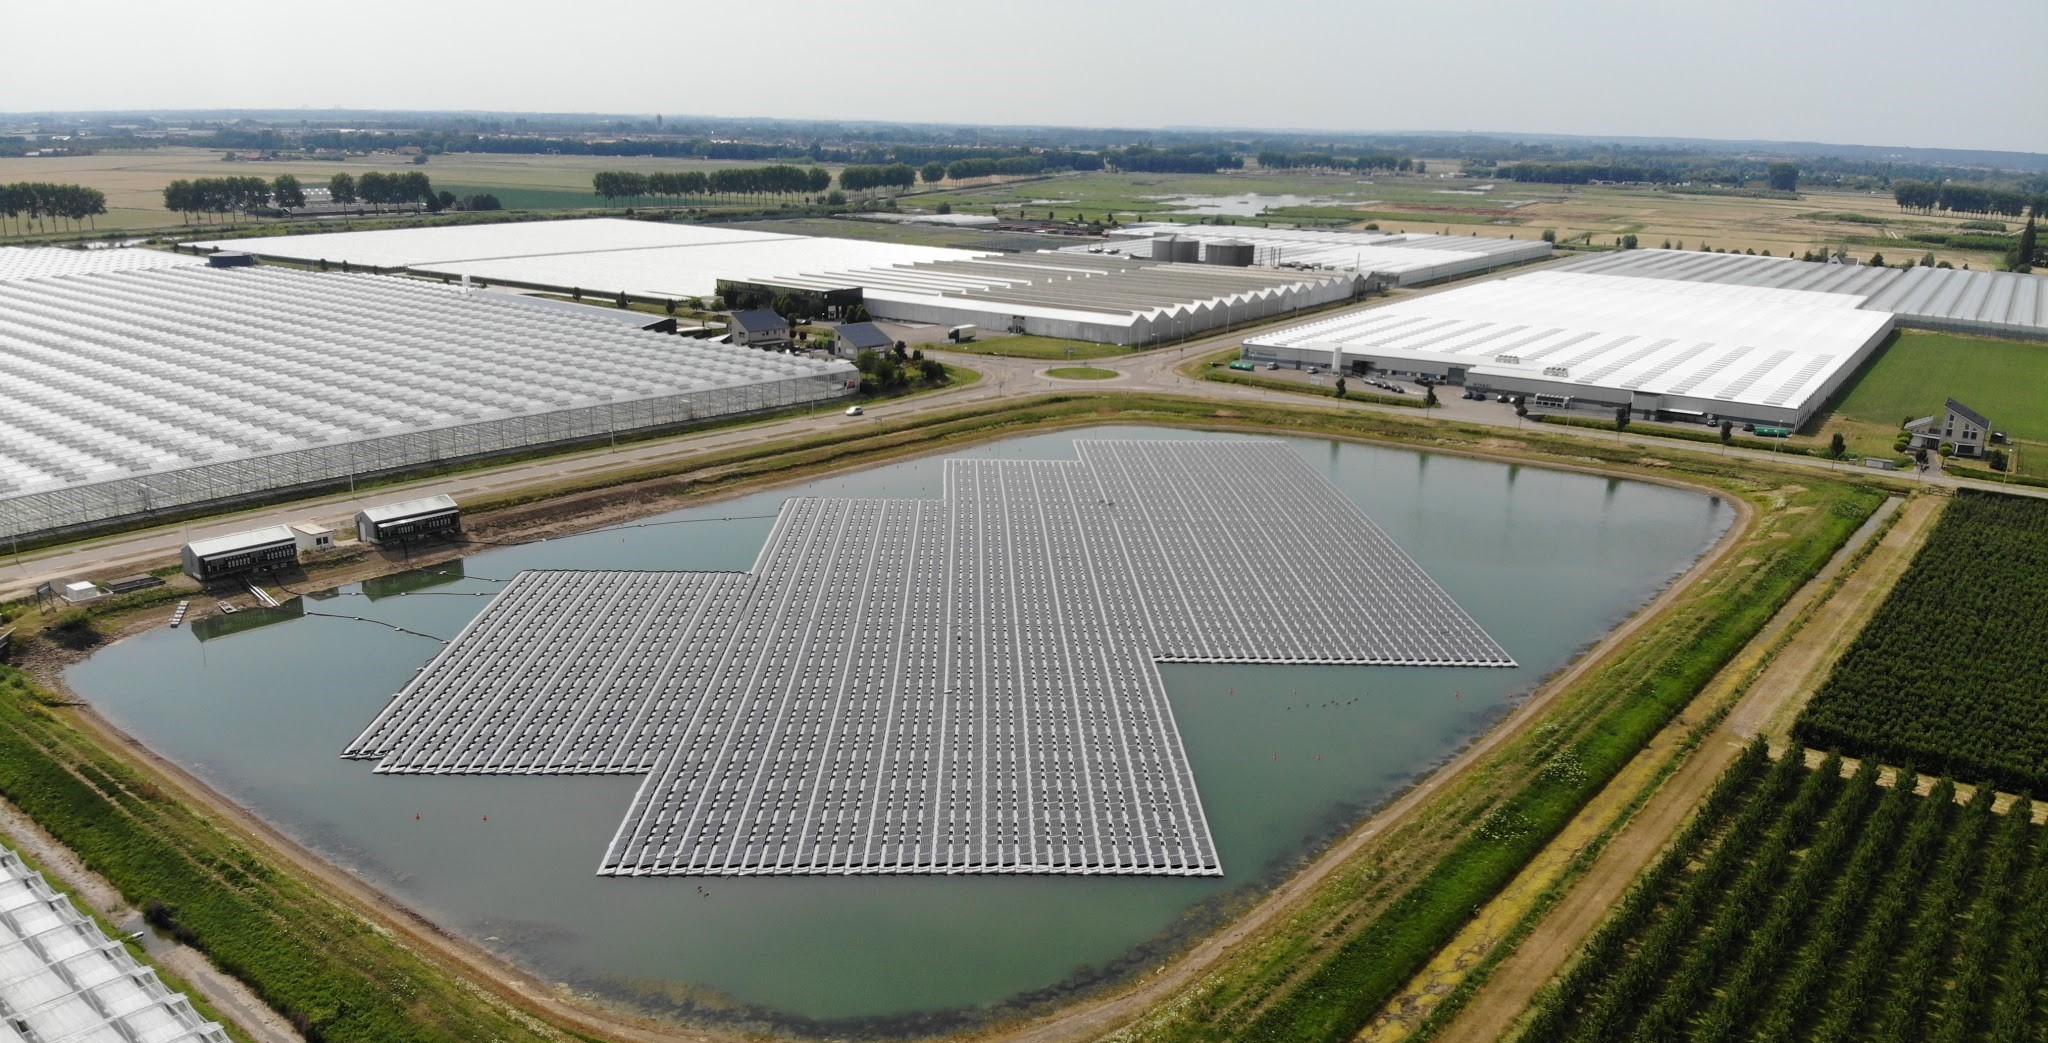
(1758, 346)
(235, 541)
(407, 508)
(39, 262)
(692, 271)
(1996, 303)
(412, 247)
(1413, 257)
(120, 375)
(1065, 285)
(62, 978)
(600, 255)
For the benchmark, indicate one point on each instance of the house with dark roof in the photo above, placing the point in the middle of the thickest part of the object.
(760, 328)
(852, 338)
(1957, 424)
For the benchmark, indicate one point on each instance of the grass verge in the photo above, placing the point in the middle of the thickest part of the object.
(1310, 976)
(327, 970)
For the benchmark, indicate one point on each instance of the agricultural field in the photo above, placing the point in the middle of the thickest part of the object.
(1862, 222)
(1916, 370)
(1951, 674)
(1858, 221)
(1799, 905)
(134, 181)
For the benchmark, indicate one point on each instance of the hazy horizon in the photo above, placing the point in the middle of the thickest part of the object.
(1748, 71)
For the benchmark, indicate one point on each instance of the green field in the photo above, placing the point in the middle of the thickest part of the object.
(2005, 380)
(1081, 373)
(1025, 346)
(1918, 370)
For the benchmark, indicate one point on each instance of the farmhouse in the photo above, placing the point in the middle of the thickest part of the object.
(760, 328)
(1958, 425)
(855, 337)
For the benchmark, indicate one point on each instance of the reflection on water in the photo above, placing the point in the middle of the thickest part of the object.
(1252, 204)
(1285, 757)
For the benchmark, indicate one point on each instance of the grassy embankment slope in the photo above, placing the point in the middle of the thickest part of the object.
(1315, 973)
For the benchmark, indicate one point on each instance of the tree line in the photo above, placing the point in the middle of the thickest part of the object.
(735, 181)
(233, 195)
(1277, 160)
(1927, 197)
(380, 190)
(216, 195)
(41, 201)
(1144, 159)
(963, 169)
(869, 178)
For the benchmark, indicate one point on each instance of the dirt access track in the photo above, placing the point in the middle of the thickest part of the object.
(1630, 822)
(1087, 1020)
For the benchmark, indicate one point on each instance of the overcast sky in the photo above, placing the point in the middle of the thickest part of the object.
(1956, 74)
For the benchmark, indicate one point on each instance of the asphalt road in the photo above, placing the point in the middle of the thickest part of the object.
(1003, 379)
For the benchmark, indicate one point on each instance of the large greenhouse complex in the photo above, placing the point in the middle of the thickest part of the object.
(1686, 350)
(1119, 291)
(1997, 304)
(133, 392)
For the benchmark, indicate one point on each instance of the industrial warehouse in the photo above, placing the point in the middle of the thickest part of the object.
(962, 685)
(1660, 347)
(1407, 259)
(133, 392)
(1109, 300)
(1119, 292)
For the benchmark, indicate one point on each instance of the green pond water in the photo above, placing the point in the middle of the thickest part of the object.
(260, 704)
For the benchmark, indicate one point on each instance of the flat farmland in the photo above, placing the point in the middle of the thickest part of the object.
(1918, 370)
(134, 180)
(1861, 222)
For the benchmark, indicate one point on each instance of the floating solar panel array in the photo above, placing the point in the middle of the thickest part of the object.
(962, 685)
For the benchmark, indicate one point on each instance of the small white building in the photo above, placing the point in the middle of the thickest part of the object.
(81, 591)
(313, 537)
(426, 516)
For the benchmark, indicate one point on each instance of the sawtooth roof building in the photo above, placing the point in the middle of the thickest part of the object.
(1998, 304)
(1104, 299)
(1409, 259)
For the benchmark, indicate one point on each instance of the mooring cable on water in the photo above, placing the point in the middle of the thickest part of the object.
(379, 622)
(610, 528)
